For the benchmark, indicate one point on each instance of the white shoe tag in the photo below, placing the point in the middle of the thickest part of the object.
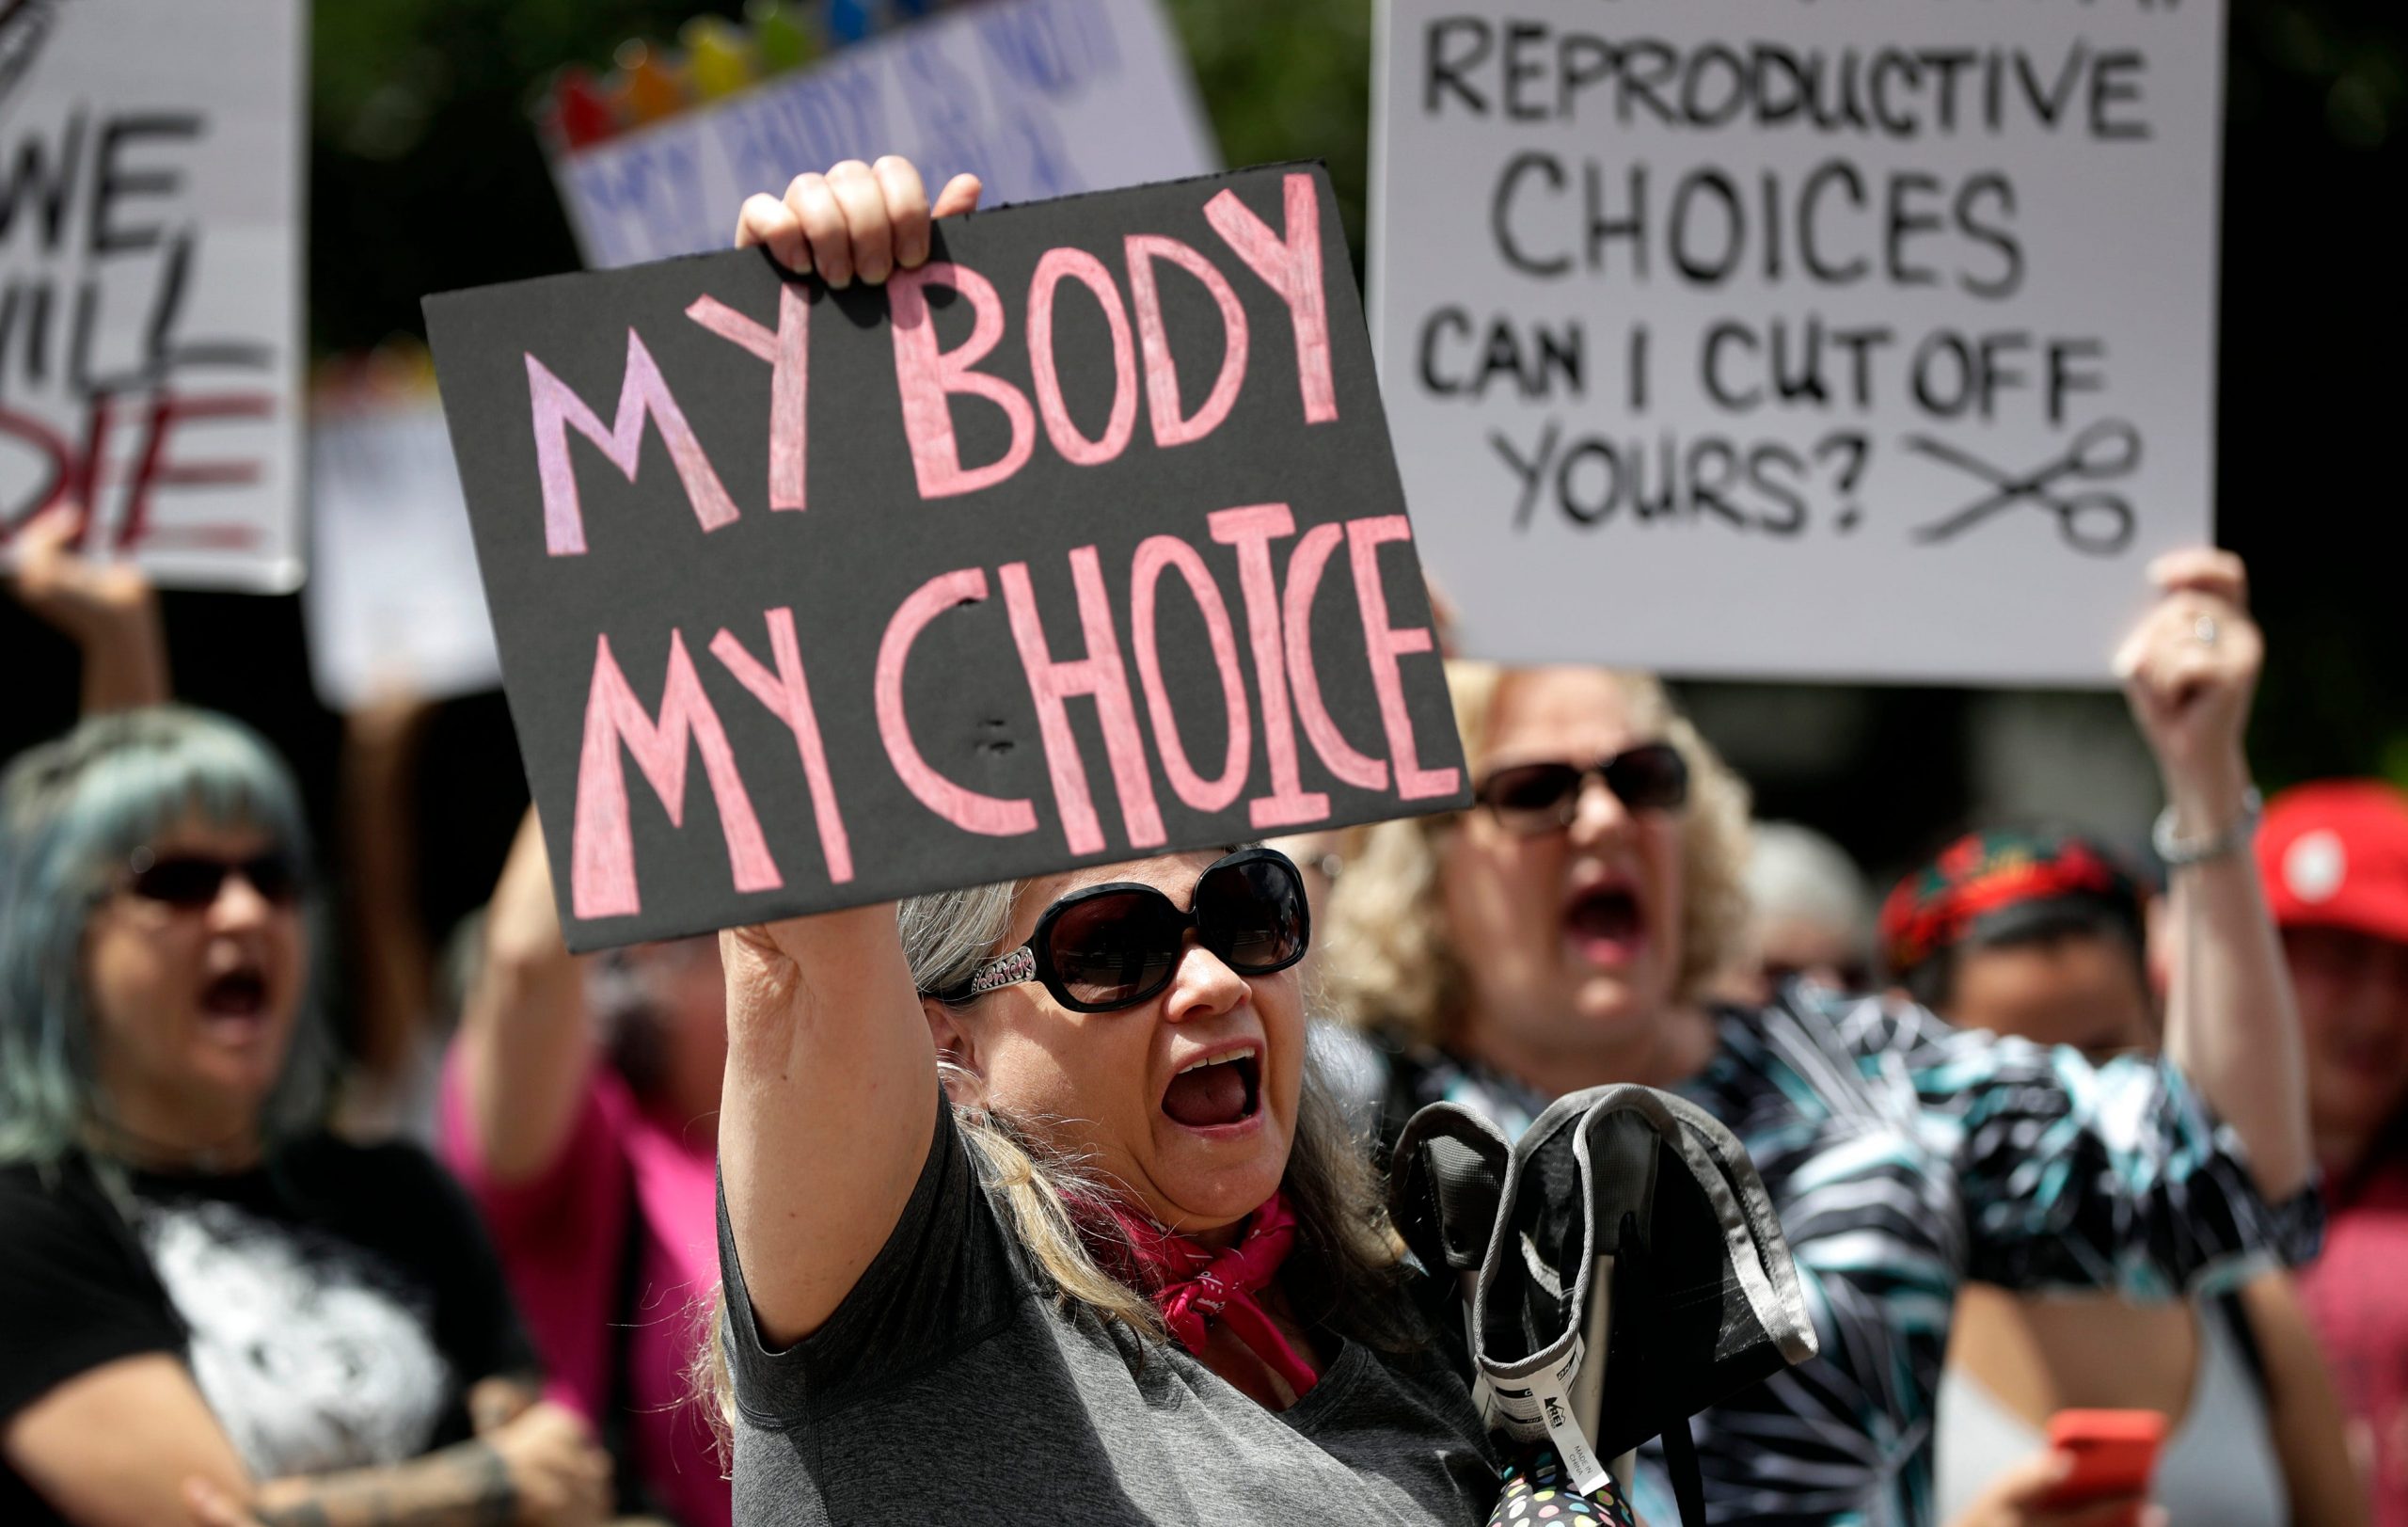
(1511, 1405)
(1544, 1409)
(1571, 1444)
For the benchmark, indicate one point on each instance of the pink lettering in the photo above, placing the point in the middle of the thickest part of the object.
(929, 378)
(1098, 673)
(988, 815)
(1161, 375)
(789, 699)
(602, 854)
(787, 349)
(1060, 428)
(643, 394)
(1251, 530)
(1291, 267)
(1305, 568)
(1157, 554)
(1386, 644)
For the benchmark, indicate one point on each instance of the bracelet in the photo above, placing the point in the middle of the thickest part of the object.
(2180, 853)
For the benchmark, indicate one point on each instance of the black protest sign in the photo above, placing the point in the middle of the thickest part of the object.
(1082, 542)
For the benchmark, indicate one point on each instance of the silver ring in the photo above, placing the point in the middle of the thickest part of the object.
(2203, 631)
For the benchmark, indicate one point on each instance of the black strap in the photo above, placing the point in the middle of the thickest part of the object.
(1635, 1275)
(2236, 1319)
(1680, 1446)
(1680, 1461)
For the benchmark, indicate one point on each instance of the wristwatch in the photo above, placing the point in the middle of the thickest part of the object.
(2180, 852)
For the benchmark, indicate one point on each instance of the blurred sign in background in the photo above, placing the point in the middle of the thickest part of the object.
(1038, 98)
(393, 601)
(151, 319)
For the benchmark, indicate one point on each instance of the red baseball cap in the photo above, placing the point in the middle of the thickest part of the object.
(2334, 854)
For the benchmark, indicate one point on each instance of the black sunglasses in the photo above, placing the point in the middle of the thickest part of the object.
(1109, 946)
(189, 882)
(1534, 798)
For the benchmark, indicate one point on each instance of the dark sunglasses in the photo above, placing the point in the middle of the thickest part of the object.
(1104, 947)
(189, 882)
(1534, 798)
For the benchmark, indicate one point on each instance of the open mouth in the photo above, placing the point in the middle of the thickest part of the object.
(1606, 923)
(237, 997)
(1217, 1091)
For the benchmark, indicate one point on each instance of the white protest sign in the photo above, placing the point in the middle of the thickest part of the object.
(393, 603)
(150, 157)
(1761, 337)
(1039, 98)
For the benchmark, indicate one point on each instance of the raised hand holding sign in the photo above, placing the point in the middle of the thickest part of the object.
(869, 604)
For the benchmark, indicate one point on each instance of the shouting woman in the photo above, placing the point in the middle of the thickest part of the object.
(1034, 1206)
(1566, 931)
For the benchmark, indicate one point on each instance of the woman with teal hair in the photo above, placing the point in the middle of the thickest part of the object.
(196, 1280)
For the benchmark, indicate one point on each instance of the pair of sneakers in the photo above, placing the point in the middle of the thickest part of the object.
(1616, 1270)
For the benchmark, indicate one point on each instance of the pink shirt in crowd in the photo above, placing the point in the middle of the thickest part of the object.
(563, 1241)
(2352, 1293)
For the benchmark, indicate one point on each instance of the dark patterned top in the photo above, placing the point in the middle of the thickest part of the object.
(334, 1307)
(1906, 1158)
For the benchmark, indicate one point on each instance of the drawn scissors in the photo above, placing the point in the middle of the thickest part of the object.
(2094, 520)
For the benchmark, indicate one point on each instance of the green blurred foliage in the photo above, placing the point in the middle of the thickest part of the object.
(424, 170)
(1288, 79)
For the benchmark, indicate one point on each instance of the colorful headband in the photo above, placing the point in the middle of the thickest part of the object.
(1934, 909)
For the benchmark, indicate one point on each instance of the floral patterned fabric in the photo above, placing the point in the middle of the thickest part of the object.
(1538, 1495)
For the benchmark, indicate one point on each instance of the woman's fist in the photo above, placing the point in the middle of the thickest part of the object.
(855, 221)
(2190, 669)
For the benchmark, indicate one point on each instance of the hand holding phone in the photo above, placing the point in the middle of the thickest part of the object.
(2113, 1453)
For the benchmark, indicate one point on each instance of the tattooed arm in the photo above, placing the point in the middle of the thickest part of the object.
(467, 1486)
(540, 1469)
(116, 1446)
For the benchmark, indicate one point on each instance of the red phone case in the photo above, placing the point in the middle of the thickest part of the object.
(2114, 1452)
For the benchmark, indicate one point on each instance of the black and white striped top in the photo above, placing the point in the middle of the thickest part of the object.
(1906, 1158)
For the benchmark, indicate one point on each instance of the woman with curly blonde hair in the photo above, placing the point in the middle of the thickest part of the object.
(1563, 932)
(1393, 964)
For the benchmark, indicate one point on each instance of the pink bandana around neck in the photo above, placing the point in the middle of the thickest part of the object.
(1194, 1285)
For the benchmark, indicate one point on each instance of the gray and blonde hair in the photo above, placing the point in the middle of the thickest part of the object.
(1389, 963)
(1346, 1264)
(72, 813)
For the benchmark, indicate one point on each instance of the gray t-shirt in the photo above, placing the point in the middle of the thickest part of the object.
(947, 1388)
